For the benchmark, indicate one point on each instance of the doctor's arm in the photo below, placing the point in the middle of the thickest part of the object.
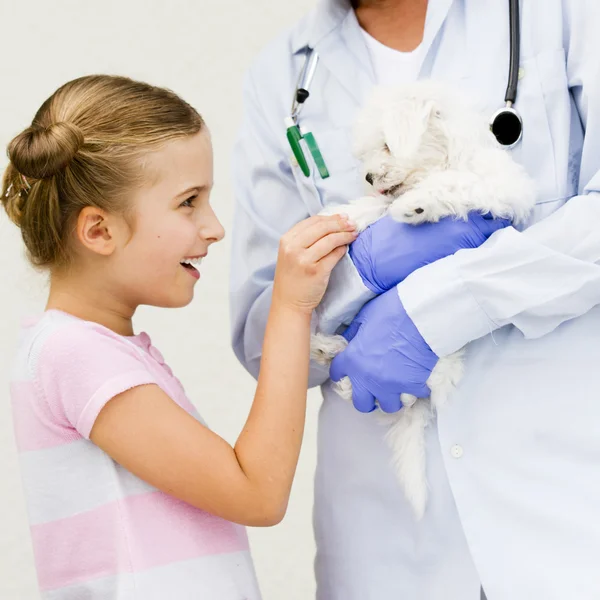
(534, 280)
(541, 277)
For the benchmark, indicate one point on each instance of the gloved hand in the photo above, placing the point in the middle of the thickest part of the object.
(388, 251)
(386, 356)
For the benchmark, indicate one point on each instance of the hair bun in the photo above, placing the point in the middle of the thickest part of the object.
(41, 152)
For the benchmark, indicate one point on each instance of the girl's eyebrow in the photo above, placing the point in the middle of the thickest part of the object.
(194, 188)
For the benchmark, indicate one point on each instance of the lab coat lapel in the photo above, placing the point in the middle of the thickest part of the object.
(437, 12)
(343, 52)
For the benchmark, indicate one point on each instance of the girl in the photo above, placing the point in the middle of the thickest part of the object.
(130, 495)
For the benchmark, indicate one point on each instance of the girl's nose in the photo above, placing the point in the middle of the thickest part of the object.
(217, 234)
(212, 230)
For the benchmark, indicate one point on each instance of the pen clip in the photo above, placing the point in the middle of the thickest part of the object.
(294, 136)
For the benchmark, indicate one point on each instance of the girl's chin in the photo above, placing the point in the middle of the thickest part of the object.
(183, 298)
(164, 292)
(179, 302)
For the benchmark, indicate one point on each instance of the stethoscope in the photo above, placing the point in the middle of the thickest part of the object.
(506, 123)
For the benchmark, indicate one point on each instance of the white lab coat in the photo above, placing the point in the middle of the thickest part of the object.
(514, 459)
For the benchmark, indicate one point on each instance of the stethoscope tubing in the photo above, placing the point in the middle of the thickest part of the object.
(508, 113)
(515, 51)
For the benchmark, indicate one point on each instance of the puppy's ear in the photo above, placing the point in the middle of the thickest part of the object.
(405, 124)
(368, 126)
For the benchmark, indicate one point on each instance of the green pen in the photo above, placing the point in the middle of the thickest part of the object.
(311, 142)
(294, 136)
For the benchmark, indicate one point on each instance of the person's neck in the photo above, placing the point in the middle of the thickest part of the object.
(88, 301)
(398, 24)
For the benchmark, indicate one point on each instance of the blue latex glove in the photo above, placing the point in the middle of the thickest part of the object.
(386, 356)
(389, 251)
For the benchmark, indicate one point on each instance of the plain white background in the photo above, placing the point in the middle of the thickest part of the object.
(200, 49)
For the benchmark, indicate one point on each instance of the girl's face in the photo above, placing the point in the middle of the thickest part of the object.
(173, 223)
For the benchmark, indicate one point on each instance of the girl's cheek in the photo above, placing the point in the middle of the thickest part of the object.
(188, 229)
(175, 230)
(172, 237)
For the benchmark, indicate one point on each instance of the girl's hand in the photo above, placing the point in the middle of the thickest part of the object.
(307, 254)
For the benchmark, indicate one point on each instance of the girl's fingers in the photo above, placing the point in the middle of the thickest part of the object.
(301, 226)
(327, 263)
(305, 224)
(321, 228)
(325, 245)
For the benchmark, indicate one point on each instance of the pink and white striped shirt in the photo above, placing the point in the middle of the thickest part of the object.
(98, 531)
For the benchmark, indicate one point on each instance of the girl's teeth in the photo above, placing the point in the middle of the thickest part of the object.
(192, 261)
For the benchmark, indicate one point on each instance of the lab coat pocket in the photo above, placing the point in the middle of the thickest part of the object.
(345, 176)
(305, 184)
(543, 100)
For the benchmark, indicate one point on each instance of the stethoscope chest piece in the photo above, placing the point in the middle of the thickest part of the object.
(507, 126)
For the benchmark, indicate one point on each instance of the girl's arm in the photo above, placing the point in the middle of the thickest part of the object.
(151, 436)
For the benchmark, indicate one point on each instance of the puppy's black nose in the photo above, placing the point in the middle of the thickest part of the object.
(369, 178)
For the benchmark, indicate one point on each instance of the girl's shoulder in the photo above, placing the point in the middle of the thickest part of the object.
(60, 341)
(67, 369)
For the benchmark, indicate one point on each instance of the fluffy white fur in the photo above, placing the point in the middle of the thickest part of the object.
(429, 155)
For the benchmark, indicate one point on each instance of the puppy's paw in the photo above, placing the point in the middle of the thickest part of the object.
(362, 211)
(407, 400)
(362, 221)
(416, 208)
(343, 388)
(444, 378)
(323, 348)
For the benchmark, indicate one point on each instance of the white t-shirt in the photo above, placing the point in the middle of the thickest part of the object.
(393, 67)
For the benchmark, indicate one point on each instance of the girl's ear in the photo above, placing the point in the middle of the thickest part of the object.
(97, 231)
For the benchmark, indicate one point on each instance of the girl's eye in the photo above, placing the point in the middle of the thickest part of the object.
(189, 203)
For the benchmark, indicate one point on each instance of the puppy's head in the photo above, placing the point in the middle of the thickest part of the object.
(400, 135)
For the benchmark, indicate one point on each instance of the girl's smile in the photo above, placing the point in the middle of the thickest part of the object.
(190, 264)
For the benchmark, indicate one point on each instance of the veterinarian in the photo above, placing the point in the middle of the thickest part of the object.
(514, 459)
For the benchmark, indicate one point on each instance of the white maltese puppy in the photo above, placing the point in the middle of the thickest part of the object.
(427, 155)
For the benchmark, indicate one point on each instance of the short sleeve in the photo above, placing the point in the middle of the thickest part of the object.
(80, 367)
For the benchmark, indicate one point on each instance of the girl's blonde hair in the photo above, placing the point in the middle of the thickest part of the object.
(83, 148)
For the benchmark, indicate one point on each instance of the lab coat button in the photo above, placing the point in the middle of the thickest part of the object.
(456, 451)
